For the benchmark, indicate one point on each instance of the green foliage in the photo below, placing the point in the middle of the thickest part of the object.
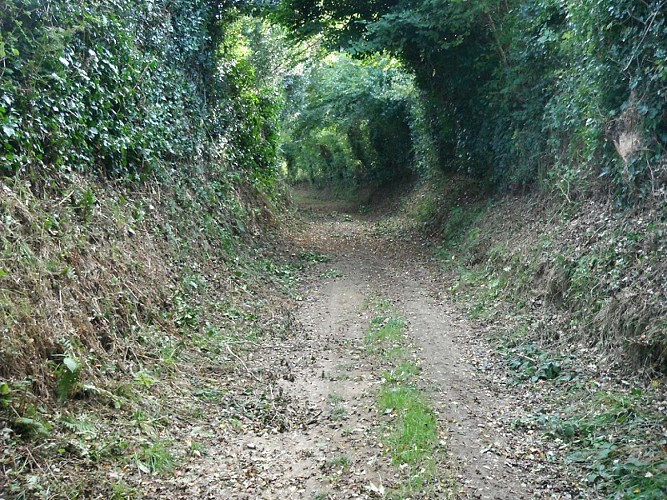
(416, 432)
(68, 374)
(250, 73)
(524, 90)
(604, 434)
(532, 364)
(126, 89)
(85, 86)
(32, 424)
(386, 329)
(154, 458)
(613, 89)
(314, 257)
(349, 121)
(5, 394)
(340, 462)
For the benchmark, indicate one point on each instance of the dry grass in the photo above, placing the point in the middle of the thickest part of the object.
(123, 300)
(76, 280)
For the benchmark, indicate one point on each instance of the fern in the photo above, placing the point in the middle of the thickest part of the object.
(80, 427)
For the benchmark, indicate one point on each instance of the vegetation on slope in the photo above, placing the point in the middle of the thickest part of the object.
(140, 152)
(139, 162)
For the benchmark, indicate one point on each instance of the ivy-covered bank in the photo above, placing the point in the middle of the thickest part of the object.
(128, 89)
(138, 166)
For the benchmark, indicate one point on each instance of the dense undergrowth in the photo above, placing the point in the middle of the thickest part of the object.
(122, 314)
(130, 90)
(522, 92)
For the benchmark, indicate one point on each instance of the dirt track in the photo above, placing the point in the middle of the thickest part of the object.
(333, 384)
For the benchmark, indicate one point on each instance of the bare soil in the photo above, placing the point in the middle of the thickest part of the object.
(329, 385)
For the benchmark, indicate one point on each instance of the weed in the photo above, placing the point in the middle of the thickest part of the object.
(604, 434)
(80, 426)
(33, 426)
(196, 449)
(339, 413)
(394, 353)
(386, 329)
(5, 394)
(286, 274)
(401, 373)
(154, 458)
(376, 304)
(314, 257)
(341, 462)
(335, 398)
(532, 364)
(412, 433)
(187, 316)
(459, 228)
(85, 202)
(168, 358)
(122, 491)
(415, 433)
(210, 394)
(145, 380)
(331, 274)
(68, 377)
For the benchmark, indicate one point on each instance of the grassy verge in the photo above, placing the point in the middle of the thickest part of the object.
(411, 432)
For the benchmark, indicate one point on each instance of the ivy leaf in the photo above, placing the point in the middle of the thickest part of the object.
(72, 364)
(9, 130)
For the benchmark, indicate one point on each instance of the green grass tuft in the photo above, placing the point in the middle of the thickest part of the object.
(386, 329)
(415, 432)
(155, 458)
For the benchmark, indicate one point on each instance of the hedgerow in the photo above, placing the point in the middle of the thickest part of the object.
(126, 89)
